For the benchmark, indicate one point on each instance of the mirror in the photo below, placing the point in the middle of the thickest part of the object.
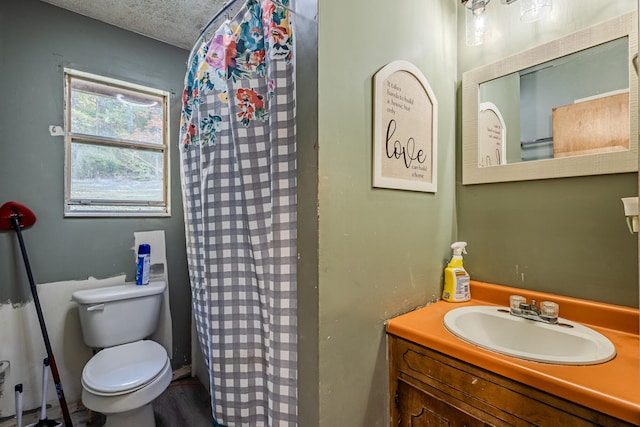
(560, 109)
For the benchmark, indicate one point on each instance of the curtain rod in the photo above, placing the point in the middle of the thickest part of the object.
(219, 13)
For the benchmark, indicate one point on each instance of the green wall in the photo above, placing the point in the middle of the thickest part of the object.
(566, 236)
(37, 41)
(381, 251)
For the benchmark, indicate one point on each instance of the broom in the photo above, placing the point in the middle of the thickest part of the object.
(15, 216)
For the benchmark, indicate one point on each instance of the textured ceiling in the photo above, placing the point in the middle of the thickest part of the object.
(177, 22)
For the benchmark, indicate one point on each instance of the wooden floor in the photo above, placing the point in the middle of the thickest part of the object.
(184, 403)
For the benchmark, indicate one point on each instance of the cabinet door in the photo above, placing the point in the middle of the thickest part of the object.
(418, 408)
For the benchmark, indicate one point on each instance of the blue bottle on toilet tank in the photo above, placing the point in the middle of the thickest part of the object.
(143, 265)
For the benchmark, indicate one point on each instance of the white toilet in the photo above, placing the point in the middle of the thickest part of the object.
(123, 378)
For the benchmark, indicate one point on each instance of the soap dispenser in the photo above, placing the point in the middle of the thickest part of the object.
(456, 278)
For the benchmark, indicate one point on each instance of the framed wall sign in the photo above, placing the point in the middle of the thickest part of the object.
(405, 129)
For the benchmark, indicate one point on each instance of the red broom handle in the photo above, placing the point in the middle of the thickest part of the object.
(15, 222)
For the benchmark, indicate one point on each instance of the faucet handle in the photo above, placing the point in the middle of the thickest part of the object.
(515, 301)
(549, 309)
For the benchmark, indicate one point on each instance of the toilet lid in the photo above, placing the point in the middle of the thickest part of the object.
(125, 367)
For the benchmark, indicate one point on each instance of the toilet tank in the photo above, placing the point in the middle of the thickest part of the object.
(119, 314)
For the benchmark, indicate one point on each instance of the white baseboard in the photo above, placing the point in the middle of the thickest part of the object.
(180, 373)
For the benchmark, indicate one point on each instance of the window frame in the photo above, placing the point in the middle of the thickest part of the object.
(70, 138)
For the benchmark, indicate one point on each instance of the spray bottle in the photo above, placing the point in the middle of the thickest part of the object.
(456, 279)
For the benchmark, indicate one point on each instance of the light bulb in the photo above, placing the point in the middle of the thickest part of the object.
(478, 7)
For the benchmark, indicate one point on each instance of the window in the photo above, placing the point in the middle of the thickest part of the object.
(116, 146)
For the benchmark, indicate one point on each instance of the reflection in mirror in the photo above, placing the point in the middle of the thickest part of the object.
(574, 105)
(493, 138)
(565, 108)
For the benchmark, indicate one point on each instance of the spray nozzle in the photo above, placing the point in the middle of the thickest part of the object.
(459, 248)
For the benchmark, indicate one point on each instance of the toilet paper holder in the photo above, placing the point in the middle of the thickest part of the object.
(631, 212)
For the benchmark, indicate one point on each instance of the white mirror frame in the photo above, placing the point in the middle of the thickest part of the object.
(593, 164)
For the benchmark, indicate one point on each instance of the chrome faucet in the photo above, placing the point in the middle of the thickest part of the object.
(547, 312)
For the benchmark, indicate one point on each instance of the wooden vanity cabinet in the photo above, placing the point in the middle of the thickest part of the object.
(429, 388)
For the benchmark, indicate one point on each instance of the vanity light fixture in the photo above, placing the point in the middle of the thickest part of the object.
(476, 21)
(533, 10)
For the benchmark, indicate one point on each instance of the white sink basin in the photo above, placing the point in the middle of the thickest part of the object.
(493, 328)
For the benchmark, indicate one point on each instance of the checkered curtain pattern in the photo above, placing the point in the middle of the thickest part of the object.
(238, 174)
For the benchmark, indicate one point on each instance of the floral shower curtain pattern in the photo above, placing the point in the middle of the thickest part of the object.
(238, 170)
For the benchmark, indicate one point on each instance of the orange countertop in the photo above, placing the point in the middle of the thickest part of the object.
(612, 387)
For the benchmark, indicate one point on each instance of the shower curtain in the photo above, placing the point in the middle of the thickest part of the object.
(238, 174)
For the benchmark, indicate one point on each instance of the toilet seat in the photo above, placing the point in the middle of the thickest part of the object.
(124, 368)
(117, 406)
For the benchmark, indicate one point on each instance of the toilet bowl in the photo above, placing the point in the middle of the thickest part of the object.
(122, 380)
